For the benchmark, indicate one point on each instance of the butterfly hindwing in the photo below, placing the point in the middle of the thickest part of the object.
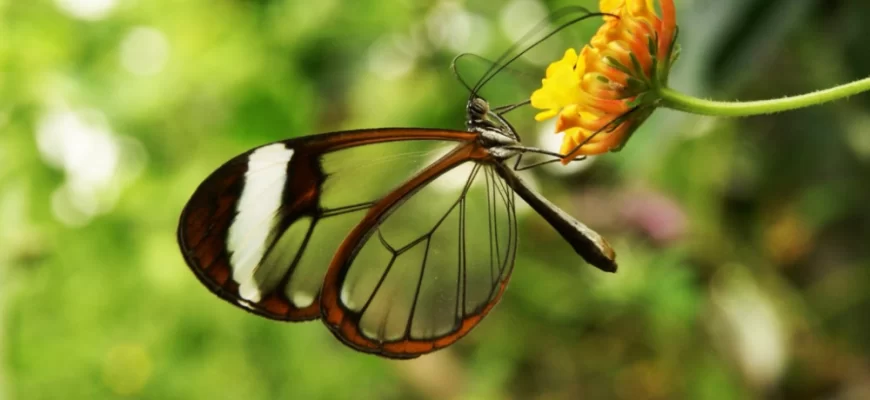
(427, 263)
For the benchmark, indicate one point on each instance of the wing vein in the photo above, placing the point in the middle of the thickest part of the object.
(417, 291)
(489, 212)
(495, 221)
(378, 286)
(460, 278)
(468, 183)
(329, 212)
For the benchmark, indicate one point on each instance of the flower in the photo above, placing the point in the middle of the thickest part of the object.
(604, 93)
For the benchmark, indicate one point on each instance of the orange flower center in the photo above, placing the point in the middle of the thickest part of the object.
(595, 94)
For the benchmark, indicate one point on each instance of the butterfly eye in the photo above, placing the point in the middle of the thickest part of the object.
(478, 107)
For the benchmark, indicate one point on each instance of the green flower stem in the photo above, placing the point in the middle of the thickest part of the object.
(682, 102)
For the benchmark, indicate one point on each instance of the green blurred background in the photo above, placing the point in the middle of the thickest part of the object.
(743, 244)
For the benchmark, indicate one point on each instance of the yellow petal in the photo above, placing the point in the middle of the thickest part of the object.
(547, 97)
(545, 115)
(565, 64)
(570, 140)
(632, 7)
(610, 6)
(580, 64)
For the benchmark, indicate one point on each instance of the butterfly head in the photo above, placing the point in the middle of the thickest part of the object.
(494, 130)
(476, 113)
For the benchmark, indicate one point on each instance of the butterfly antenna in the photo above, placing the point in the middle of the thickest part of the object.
(510, 107)
(501, 62)
(456, 73)
(535, 29)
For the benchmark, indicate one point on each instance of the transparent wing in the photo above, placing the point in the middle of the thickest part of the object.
(425, 266)
(261, 231)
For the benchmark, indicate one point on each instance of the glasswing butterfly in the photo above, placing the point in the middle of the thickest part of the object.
(399, 239)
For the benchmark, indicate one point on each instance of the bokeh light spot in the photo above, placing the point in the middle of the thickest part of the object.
(95, 161)
(127, 369)
(89, 10)
(391, 57)
(451, 26)
(144, 51)
(518, 18)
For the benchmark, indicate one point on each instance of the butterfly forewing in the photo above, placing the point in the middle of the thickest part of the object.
(368, 173)
(427, 262)
(261, 230)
